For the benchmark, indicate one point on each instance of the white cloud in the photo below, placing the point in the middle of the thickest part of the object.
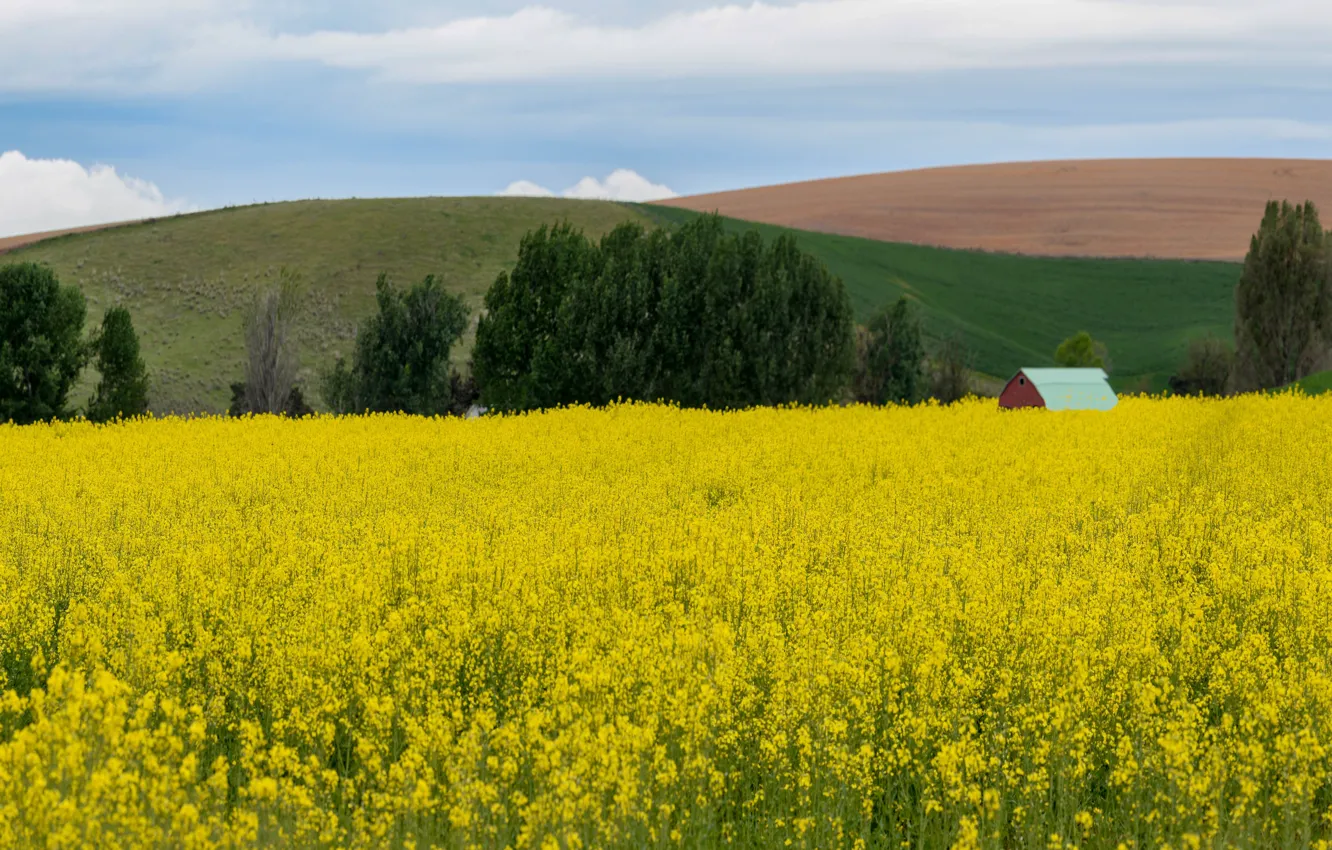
(525, 189)
(37, 195)
(162, 44)
(621, 185)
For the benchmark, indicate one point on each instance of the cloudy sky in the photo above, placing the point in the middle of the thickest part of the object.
(113, 109)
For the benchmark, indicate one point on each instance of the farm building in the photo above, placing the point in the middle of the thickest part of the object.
(1059, 389)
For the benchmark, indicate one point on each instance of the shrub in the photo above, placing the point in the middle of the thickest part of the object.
(294, 406)
(1207, 368)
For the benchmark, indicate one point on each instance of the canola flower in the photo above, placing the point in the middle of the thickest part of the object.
(642, 626)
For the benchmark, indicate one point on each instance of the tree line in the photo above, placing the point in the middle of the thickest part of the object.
(697, 316)
(43, 350)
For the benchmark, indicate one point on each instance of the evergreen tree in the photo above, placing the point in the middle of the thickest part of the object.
(41, 344)
(123, 389)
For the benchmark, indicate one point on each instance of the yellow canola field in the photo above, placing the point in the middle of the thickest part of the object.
(643, 626)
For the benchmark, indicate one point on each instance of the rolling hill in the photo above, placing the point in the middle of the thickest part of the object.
(13, 243)
(1315, 384)
(185, 280)
(1014, 310)
(1203, 209)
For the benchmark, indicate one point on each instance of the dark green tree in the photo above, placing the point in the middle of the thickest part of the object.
(41, 343)
(892, 357)
(698, 316)
(522, 339)
(1283, 301)
(123, 389)
(401, 358)
(1080, 351)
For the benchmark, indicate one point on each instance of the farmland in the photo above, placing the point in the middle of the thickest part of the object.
(1013, 311)
(186, 279)
(1197, 208)
(643, 626)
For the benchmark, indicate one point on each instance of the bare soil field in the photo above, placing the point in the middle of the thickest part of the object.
(1201, 209)
(11, 243)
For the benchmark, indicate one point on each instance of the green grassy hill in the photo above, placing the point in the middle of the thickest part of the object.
(1315, 384)
(1013, 311)
(185, 280)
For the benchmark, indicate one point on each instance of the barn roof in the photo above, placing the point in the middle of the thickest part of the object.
(1073, 389)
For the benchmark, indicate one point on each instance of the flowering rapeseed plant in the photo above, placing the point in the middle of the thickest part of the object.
(856, 627)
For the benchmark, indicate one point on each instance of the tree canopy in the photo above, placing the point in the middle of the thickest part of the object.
(41, 343)
(699, 317)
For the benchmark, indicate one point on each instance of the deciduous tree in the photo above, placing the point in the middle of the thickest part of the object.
(41, 343)
(699, 317)
(1080, 351)
(270, 346)
(892, 357)
(1283, 301)
(401, 359)
(950, 377)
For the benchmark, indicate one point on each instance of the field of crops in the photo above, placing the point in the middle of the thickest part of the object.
(643, 626)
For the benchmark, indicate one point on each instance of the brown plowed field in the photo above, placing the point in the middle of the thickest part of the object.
(11, 243)
(1178, 208)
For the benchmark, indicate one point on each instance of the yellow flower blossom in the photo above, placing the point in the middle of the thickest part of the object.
(843, 627)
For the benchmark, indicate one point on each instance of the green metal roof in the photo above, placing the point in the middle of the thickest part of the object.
(1073, 389)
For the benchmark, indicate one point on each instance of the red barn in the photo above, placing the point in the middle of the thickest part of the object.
(1059, 389)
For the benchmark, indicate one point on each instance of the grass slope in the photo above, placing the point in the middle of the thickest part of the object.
(185, 279)
(1315, 384)
(1013, 311)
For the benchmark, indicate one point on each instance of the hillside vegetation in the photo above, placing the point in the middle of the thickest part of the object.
(186, 279)
(1013, 311)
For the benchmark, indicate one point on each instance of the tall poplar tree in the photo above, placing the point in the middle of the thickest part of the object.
(1283, 301)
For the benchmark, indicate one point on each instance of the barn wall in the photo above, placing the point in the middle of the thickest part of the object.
(1020, 393)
